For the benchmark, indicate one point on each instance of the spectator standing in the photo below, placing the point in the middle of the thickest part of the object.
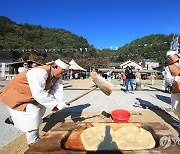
(129, 79)
(123, 77)
(25, 67)
(138, 78)
(152, 78)
(108, 75)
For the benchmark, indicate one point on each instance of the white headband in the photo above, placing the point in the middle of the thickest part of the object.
(171, 52)
(62, 64)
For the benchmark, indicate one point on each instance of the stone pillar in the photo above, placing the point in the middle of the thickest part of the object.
(2, 69)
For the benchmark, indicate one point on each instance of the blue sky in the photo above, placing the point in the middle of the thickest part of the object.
(104, 23)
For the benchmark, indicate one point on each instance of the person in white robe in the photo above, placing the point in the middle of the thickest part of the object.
(173, 57)
(30, 119)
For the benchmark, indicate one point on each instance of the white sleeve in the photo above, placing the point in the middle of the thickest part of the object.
(37, 80)
(167, 76)
(57, 90)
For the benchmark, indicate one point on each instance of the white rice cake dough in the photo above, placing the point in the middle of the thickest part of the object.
(133, 138)
(125, 138)
(98, 138)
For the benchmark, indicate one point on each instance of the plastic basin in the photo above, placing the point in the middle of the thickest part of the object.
(120, 115)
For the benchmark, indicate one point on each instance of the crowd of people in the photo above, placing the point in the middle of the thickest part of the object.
(26, 66)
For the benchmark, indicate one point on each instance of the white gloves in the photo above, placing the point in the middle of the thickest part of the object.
(62, 105)
(177, 78)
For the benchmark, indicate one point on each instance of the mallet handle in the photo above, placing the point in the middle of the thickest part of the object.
(87, 92)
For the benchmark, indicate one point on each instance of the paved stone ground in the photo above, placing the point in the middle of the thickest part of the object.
(7, 132)
(96, 102)
(93, 102)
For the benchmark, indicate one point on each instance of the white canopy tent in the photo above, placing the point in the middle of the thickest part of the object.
(76, 71)
(75, 66)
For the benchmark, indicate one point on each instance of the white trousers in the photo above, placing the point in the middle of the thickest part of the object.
(28, 121)
(137, 79)
(175, 103)
(32, 136)
(152, 82)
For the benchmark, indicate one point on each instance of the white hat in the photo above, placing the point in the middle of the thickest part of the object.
(62, 64)
(171, 52)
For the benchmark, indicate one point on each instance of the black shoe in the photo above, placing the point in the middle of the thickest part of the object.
(9, 121)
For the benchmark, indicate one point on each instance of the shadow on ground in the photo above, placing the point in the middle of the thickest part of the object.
(124, 89)
(164, 115)
(74, 112)
(164, 99)
(156, 88)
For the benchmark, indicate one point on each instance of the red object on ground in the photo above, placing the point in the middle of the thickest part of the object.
(55, 109)
(120, 115)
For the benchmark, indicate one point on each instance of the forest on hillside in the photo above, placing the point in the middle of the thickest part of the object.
(22, 40)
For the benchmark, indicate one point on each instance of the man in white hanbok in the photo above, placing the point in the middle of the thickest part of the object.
(172, 75)
(29, 94)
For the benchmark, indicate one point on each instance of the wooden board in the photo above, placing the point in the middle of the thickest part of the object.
(53, 140)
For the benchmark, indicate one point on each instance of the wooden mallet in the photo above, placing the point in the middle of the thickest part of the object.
(105, 86)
